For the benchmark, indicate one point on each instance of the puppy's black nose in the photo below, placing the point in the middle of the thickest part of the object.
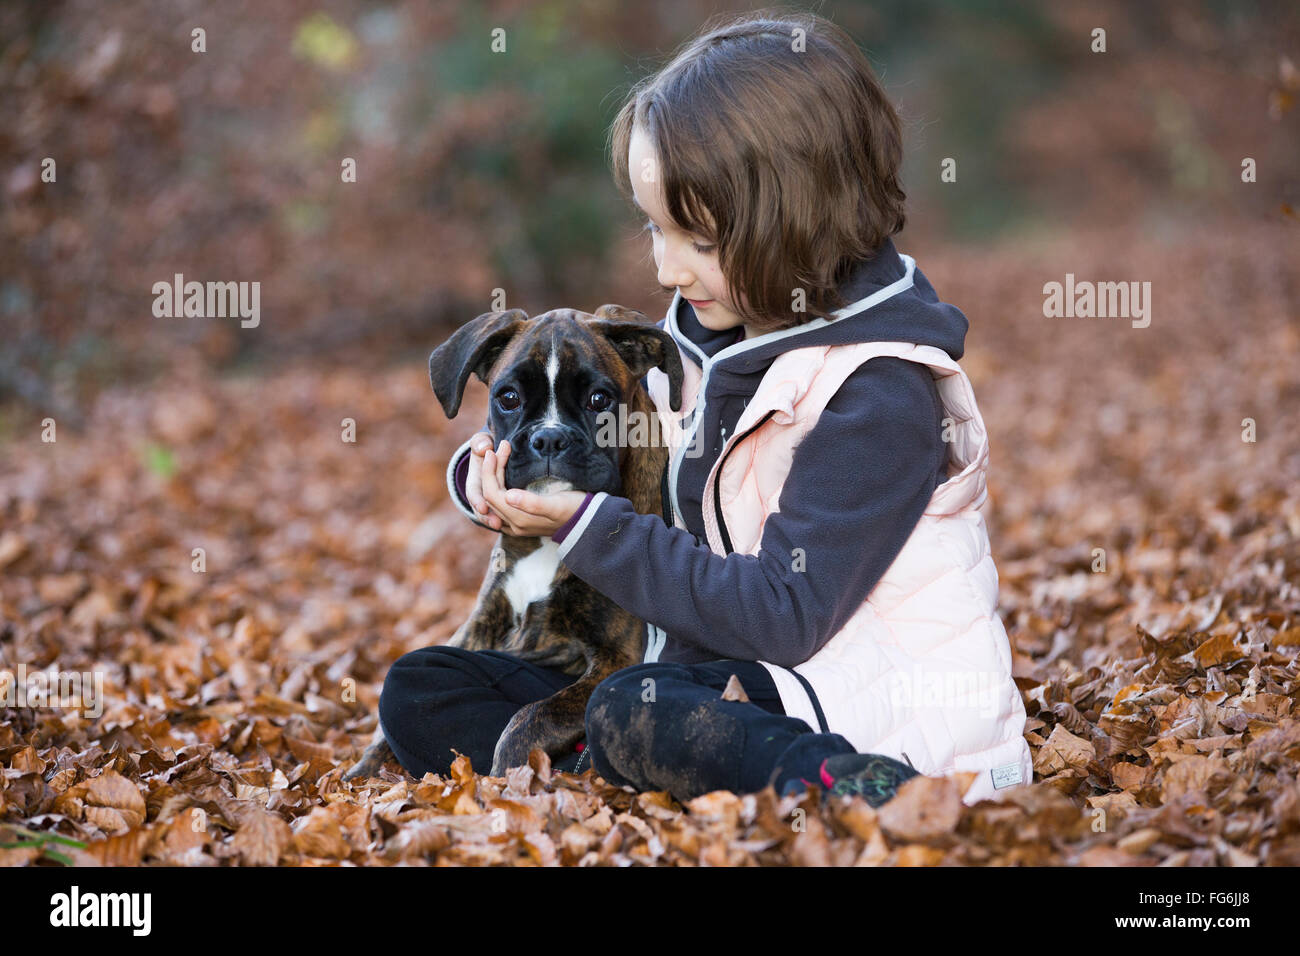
(550, 441)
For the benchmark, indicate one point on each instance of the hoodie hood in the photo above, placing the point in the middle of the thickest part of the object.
(914, 314)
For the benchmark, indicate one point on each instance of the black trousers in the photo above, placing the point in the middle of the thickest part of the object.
(657, 726)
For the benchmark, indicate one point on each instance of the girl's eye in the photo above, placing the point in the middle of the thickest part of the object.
(704, 250)
(599, 401)
(508, 400)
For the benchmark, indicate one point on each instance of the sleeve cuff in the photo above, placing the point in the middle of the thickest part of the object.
(565, 528)
(456, 471)
(584, 516)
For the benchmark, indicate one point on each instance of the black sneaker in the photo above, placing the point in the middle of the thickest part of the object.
(874, 777)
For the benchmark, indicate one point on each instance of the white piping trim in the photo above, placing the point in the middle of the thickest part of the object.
(575, 533)
(744, 345)
(468, 512)
(794, 698)
(656, 637)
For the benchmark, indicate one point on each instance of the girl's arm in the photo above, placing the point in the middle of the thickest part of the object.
(857, 486)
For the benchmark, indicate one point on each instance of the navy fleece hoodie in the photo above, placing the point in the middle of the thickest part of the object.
(858, 484)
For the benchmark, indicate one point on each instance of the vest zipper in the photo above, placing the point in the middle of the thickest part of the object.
(717, 481)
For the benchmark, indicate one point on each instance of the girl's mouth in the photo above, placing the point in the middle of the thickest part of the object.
(699, 303)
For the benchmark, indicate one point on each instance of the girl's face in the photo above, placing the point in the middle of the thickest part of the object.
(684, 260)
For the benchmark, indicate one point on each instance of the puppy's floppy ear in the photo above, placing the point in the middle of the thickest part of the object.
(642, 346)
(472, 349)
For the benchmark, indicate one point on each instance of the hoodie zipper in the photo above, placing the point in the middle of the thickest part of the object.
(577, 767)
(717, 480)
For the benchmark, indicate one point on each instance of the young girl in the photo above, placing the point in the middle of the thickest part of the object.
(829, 461)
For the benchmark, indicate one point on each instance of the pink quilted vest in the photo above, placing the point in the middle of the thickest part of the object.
(922, 671)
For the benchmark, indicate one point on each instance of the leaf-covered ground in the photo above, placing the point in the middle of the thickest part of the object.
(1161, 691)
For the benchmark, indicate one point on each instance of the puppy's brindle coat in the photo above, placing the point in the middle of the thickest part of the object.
(548, 380)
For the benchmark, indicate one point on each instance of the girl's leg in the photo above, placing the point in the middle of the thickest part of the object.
(437, 698)
(664, 726)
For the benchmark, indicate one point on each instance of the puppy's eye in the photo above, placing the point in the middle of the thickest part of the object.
(508, 400)
(599, 401)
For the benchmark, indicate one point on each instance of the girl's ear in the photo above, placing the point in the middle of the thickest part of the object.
(641, 346)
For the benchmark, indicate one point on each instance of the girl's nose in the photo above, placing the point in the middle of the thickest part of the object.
(671, 274)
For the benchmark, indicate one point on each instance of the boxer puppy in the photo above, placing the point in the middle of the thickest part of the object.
(550, 378)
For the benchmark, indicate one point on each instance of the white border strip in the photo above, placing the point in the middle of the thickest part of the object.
(794, 699)
(468, 512)
(575, 533)
(656, 637)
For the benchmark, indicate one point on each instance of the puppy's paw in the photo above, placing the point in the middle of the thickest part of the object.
(522, 734)
(509, 754)
(371, 762)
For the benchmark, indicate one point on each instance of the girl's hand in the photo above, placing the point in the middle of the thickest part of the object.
(480, 442)
(521, 512)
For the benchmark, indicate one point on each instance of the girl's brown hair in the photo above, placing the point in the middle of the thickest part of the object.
(793, 150)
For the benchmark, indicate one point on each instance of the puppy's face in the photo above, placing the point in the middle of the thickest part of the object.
(552, 382)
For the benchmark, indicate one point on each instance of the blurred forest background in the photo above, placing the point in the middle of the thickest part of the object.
(479, 170)
(1161, 687)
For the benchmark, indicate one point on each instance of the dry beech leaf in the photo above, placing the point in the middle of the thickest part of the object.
(1217, 651)
(540, 763)
(111, 802)
(319, 834)
(811, 845)
(183, 840)
(925, 808)
(734, 690)
(418, 838)
(262, 837)
(120, 849)
(1063, 750)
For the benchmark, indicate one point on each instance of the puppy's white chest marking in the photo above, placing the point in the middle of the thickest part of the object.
(530, 580)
